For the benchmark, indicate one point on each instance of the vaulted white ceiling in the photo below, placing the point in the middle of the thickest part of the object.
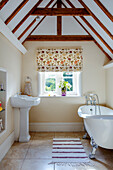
(99, 24)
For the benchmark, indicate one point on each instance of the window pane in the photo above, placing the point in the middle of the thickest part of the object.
(69, 80)
(50, 84)
(67, 74)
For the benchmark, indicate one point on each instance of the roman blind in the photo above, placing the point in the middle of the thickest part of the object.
(58, 60)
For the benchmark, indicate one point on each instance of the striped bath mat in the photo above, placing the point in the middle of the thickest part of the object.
(68, 150)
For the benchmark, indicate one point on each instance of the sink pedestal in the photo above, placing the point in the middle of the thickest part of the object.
(24, 103)
(24, 125)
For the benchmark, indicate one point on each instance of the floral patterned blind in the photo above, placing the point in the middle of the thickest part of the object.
(58, 60)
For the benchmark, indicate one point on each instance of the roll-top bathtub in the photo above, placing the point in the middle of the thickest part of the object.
(98, 125)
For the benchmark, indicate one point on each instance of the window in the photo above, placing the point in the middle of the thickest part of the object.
(49, 83)
(68, 76)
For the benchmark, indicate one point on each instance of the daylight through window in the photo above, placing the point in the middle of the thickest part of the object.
(49, 83)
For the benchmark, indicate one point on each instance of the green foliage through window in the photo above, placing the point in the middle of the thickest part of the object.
(70, 81)
(50, 84)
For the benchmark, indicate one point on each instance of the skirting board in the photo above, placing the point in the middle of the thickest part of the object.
(56, 127)
(5, 146)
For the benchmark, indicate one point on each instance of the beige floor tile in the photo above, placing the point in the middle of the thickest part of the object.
(34, 164)
(18, 145)
(105, 152)
(64, 134)
(11, 164)
(66, 167)
(102, 164)
(44, 135)
(16, 153)
(79, 134)
(39, 152)
(36, 153)
(41, 142)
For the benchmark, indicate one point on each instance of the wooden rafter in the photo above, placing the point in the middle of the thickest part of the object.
(35, 21)
(94, 31)
(87, 30)
(59, 19)
(59, 38)
(70, 3)
(16, 11)
(2, 3)
(27, 29)
(102, 50)
(96, 19)
(104, 9)
(76, 18)
(60, 12)
(37, 25)
(94, 39)
(26, 16)
(97, 34)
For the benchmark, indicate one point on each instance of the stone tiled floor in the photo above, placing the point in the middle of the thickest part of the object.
(37, 153)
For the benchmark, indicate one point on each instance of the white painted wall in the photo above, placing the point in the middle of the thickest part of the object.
(11, 60)
(65, 109)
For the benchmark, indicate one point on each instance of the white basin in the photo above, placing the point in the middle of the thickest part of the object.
(25, 103)
(22, 101)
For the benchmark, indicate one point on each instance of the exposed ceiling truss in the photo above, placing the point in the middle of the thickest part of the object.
(104, 9)
(60, 12)
(92, 16)
(2, 3)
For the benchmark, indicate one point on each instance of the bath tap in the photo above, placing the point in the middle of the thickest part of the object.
(92, 98)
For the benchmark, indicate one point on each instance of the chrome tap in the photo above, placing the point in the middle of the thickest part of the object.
(93, 99)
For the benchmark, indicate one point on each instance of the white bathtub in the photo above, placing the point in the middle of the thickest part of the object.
(100, 127)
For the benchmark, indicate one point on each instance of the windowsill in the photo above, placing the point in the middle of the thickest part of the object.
(58, 96)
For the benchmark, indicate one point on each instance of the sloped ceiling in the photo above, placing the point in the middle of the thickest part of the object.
(26, 26)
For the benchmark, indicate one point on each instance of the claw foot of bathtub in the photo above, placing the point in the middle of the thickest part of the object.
(95, 146)
(92, 156)
(85, 136)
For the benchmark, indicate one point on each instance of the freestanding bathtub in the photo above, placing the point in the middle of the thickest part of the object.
(99, 126)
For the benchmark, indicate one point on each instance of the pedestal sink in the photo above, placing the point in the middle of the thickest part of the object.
(25, 103)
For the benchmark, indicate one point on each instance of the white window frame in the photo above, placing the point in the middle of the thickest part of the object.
(74, 79)
(77, 81)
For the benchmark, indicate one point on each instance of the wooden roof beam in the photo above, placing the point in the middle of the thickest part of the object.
(59, 38)
(2, 3)
(60, 12)
(16, 11)
(104, 9)
(27, 29)
(77, 19)
(35, 21)
(42, 18)
(94, 39)
(86, 29)
(96, 19)
(102, 50)
(90, 26)
(26, 16)
(97, 34)
(59, 19)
